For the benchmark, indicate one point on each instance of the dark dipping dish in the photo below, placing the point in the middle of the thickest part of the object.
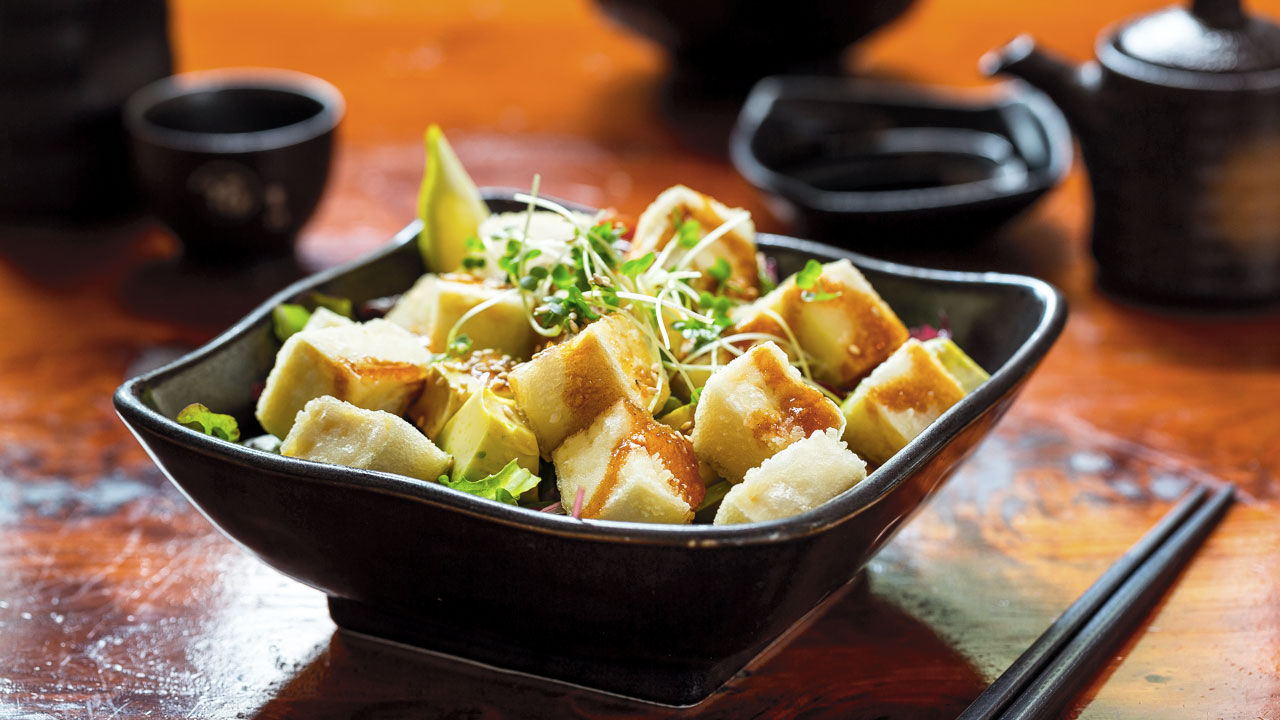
(660, 613)
(873, 164)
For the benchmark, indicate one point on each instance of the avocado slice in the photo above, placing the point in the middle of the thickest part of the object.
(449, 206)
(962, 367)
(486, 434)
(677, 418)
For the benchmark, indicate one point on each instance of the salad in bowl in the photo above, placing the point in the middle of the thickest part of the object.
(563, 362)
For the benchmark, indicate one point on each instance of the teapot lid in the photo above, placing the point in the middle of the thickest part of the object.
(1212, 36)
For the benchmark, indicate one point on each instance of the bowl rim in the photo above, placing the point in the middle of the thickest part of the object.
(332, 109)
(770, 90)
(874, 488)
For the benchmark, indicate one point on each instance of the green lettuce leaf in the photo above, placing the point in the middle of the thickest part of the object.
(504, 486)
(289, 318)
(198, 417)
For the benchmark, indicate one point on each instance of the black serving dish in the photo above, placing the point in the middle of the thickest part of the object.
(867, 164)
(661, 613)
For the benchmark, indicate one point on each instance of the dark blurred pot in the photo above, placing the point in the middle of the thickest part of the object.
(66, 68)
(234, 161)
(733, 43)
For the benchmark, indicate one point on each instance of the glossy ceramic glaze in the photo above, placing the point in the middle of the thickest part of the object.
(234, 161)
(863, 164)
(661, 613)
(1179, 123)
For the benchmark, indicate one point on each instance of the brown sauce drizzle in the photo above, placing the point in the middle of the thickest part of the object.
(917, 389)
(670, 448)
(385, 370)
(583, 391)
(801, 407)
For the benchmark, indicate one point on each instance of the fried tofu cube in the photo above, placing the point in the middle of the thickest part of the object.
(968, 373)
(755, 407)
(323, 317)
(629, 467)
(450, 383)
(566, 386)
(332, 431)
(376, 366)
(659, 225)
(437, 302)
(800, 478)
(843, 324)
(897, 401)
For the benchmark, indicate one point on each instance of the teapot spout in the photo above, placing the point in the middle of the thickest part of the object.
(1070, 86)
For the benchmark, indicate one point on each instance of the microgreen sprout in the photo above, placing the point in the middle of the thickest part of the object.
(688, 231)
(576, 278)
(720, 270)
(807, 280)
(633, 268)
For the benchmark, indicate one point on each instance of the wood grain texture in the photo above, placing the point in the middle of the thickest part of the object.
(117, 600)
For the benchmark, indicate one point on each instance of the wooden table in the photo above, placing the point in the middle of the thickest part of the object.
(117, 600)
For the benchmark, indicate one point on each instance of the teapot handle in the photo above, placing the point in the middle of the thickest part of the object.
(1219, 13)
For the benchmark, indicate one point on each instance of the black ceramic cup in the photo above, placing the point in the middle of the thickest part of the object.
(233, 161)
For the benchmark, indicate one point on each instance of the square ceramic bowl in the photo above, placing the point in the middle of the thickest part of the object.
(660, 613)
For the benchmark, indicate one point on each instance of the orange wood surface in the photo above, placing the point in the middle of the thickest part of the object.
(118, 600)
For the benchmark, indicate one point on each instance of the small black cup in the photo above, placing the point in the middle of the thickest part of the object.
(233, 161)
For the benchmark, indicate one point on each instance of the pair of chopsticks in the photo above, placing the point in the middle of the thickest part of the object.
(1074, 647)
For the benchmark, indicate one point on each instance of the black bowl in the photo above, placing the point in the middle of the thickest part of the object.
(731, 43)
(234, 161)
(662, 613)
(866, 164)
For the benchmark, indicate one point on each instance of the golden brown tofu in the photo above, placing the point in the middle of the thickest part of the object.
(799, 478)
(437, 302)
(332, 431)
(376, 366)
(629, 467)
(563, 388)
(323, 317)
(897, 401)
(846, 334)
(657, 227)
(753, 408)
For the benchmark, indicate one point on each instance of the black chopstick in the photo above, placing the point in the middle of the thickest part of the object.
(1061, 659)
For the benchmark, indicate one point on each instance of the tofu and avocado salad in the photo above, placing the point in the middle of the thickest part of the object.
(547, 361)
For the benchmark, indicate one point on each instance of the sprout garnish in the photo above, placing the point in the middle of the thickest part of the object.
(564, 285)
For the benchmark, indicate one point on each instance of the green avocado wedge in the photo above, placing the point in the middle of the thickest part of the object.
(449, 206)
(486, 433)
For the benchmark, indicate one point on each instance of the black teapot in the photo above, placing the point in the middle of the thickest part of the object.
(1179, 123)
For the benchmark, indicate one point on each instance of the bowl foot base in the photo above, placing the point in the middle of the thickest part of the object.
(678, 682)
